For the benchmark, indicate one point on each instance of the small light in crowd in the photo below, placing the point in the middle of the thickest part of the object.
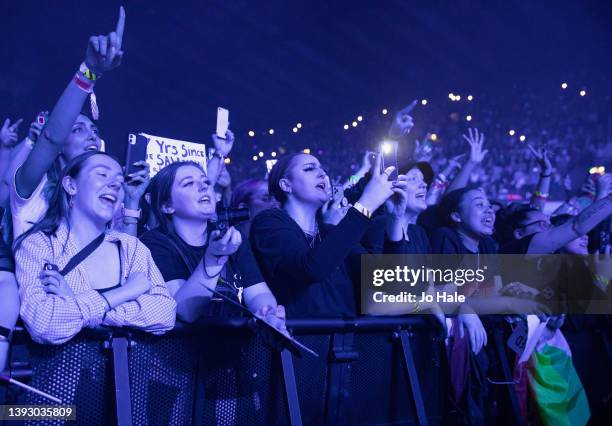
(386, 147)
(433, 137)
(384, 111)
(601, 170)
(451, 96)
(273, 154)
(424, 102)
(346, 127)
(299, 125)
(261, 154)
(271, 131)
(457, 98)
(354, 124)
(359, 118)
(564, 86)
(251, 133)
(295, 130)
(522, 138)
(593, 170)
(306, 151)
(468, 118)
(511, 132)
(227, 160)
(255, 158)
(583, 93)
(470, 97)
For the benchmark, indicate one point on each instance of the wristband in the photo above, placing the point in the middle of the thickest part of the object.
(89, 74)
(136, 214)
(545, 176)
(83, 83)
(539, 194)
(362, 209)
(442, 177)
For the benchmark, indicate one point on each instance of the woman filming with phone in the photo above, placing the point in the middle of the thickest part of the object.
(303, 247)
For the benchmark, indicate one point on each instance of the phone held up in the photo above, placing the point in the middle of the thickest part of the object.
(222, 122)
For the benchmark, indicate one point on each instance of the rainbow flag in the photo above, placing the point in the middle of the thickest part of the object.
(554, 384)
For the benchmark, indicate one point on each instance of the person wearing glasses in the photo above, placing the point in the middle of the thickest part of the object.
(527, 230)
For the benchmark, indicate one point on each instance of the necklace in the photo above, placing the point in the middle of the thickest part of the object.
(312, 236)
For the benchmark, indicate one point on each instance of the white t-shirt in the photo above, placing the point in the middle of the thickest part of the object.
(27, 211)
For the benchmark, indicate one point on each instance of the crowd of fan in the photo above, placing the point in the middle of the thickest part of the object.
(92, 247)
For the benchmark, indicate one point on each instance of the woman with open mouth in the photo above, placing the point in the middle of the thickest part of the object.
(75, 273)
(193, 257)
(303, 248)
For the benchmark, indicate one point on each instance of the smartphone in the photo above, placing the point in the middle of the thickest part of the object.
(50, 267)
(388, 151)
(337, 193)
(136, 151)
(222, 122)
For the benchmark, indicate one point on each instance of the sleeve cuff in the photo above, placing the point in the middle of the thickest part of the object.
(92, 307)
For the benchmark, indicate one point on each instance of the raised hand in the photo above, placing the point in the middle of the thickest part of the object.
(604, 186)
(379, 188)
(403, 122)
(104, 52)
(541, 156)
(475, 139)
(36, 126)
(396, 204)
(334, 211)
(8, 133)
(422, 149)
(224, 146)
(366, 161)
(137, 185)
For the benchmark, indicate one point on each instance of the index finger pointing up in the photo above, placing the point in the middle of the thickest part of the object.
(120, 25)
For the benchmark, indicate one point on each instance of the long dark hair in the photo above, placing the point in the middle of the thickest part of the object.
(59, 209)
(161, 192)
(278, 172)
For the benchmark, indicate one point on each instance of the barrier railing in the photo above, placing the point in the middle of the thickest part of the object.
(370, 370)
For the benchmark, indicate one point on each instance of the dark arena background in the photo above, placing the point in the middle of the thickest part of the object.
(282, 149)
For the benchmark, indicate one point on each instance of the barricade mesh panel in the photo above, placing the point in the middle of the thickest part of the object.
(378, 385)
(77, 372)
(162, 379)
(240, 381)
(311, 376)
(431, 364)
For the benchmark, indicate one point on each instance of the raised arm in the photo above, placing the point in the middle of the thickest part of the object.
(222, 149)
(475, 139)
(553, 239)
(8, 141)
(538, 200)
(103, 54)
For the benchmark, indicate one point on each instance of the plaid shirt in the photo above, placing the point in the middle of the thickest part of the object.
(56, 319)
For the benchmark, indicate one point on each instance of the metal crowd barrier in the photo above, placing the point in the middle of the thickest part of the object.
(370, 370)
